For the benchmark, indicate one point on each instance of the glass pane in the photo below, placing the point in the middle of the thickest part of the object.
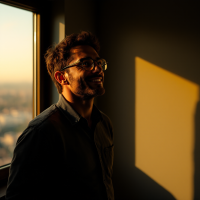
(16, 76)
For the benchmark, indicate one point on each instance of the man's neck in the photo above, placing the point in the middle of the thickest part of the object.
(82, 106)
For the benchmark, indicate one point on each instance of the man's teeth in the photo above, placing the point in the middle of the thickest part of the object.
(96, 80)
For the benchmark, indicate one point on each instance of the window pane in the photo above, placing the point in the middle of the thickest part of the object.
(16, 76)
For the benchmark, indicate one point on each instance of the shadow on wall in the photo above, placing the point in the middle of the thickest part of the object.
(138, 185)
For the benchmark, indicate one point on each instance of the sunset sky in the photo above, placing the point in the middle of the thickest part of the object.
(16, 45)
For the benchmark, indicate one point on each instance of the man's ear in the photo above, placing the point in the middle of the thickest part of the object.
(60, 77)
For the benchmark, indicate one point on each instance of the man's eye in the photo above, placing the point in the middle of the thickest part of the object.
(85, 63)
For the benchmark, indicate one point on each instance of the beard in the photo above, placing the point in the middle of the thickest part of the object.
(86, 91)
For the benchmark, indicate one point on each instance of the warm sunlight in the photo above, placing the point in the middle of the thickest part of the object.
(165, 108)
(16, 45)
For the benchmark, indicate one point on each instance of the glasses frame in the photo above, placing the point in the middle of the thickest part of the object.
(81, 60)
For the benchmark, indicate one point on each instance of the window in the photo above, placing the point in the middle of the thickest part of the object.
(18, 71)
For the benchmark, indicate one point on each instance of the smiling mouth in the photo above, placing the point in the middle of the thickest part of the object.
(96, 80)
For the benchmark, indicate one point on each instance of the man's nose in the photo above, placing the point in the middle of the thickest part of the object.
(97, 68)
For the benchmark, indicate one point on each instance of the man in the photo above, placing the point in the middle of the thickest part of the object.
(66, 152)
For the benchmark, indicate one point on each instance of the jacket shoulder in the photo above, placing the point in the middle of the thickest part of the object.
(40, 122)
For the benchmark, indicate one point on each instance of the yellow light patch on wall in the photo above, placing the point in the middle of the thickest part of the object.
(61, 31)
(165, 108)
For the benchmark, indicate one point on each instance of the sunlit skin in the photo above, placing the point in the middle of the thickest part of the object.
(80, 86)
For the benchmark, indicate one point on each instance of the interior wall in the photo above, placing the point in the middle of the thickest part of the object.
(79, 16)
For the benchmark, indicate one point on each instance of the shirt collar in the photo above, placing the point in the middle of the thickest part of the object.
(71, 114)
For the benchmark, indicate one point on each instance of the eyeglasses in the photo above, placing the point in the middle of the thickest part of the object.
(88, 64)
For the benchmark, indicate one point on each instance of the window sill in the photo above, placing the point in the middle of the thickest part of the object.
(4, 173)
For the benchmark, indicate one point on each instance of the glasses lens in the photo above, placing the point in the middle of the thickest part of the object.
(102, 63)
(87, 64)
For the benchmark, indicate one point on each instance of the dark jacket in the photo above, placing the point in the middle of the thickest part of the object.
(59, 157)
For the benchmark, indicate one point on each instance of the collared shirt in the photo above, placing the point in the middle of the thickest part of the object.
(59, 157)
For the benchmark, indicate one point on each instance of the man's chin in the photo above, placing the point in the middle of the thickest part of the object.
(94, 93)
(98, 91)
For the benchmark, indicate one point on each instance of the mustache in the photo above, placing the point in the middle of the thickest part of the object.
(95, 76)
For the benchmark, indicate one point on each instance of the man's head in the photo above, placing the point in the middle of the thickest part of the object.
(78, 52)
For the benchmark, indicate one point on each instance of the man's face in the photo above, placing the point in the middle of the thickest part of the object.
(83, 83)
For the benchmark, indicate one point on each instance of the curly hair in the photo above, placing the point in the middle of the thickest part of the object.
(58, 57)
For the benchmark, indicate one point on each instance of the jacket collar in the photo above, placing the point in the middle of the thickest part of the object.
(71, 114)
